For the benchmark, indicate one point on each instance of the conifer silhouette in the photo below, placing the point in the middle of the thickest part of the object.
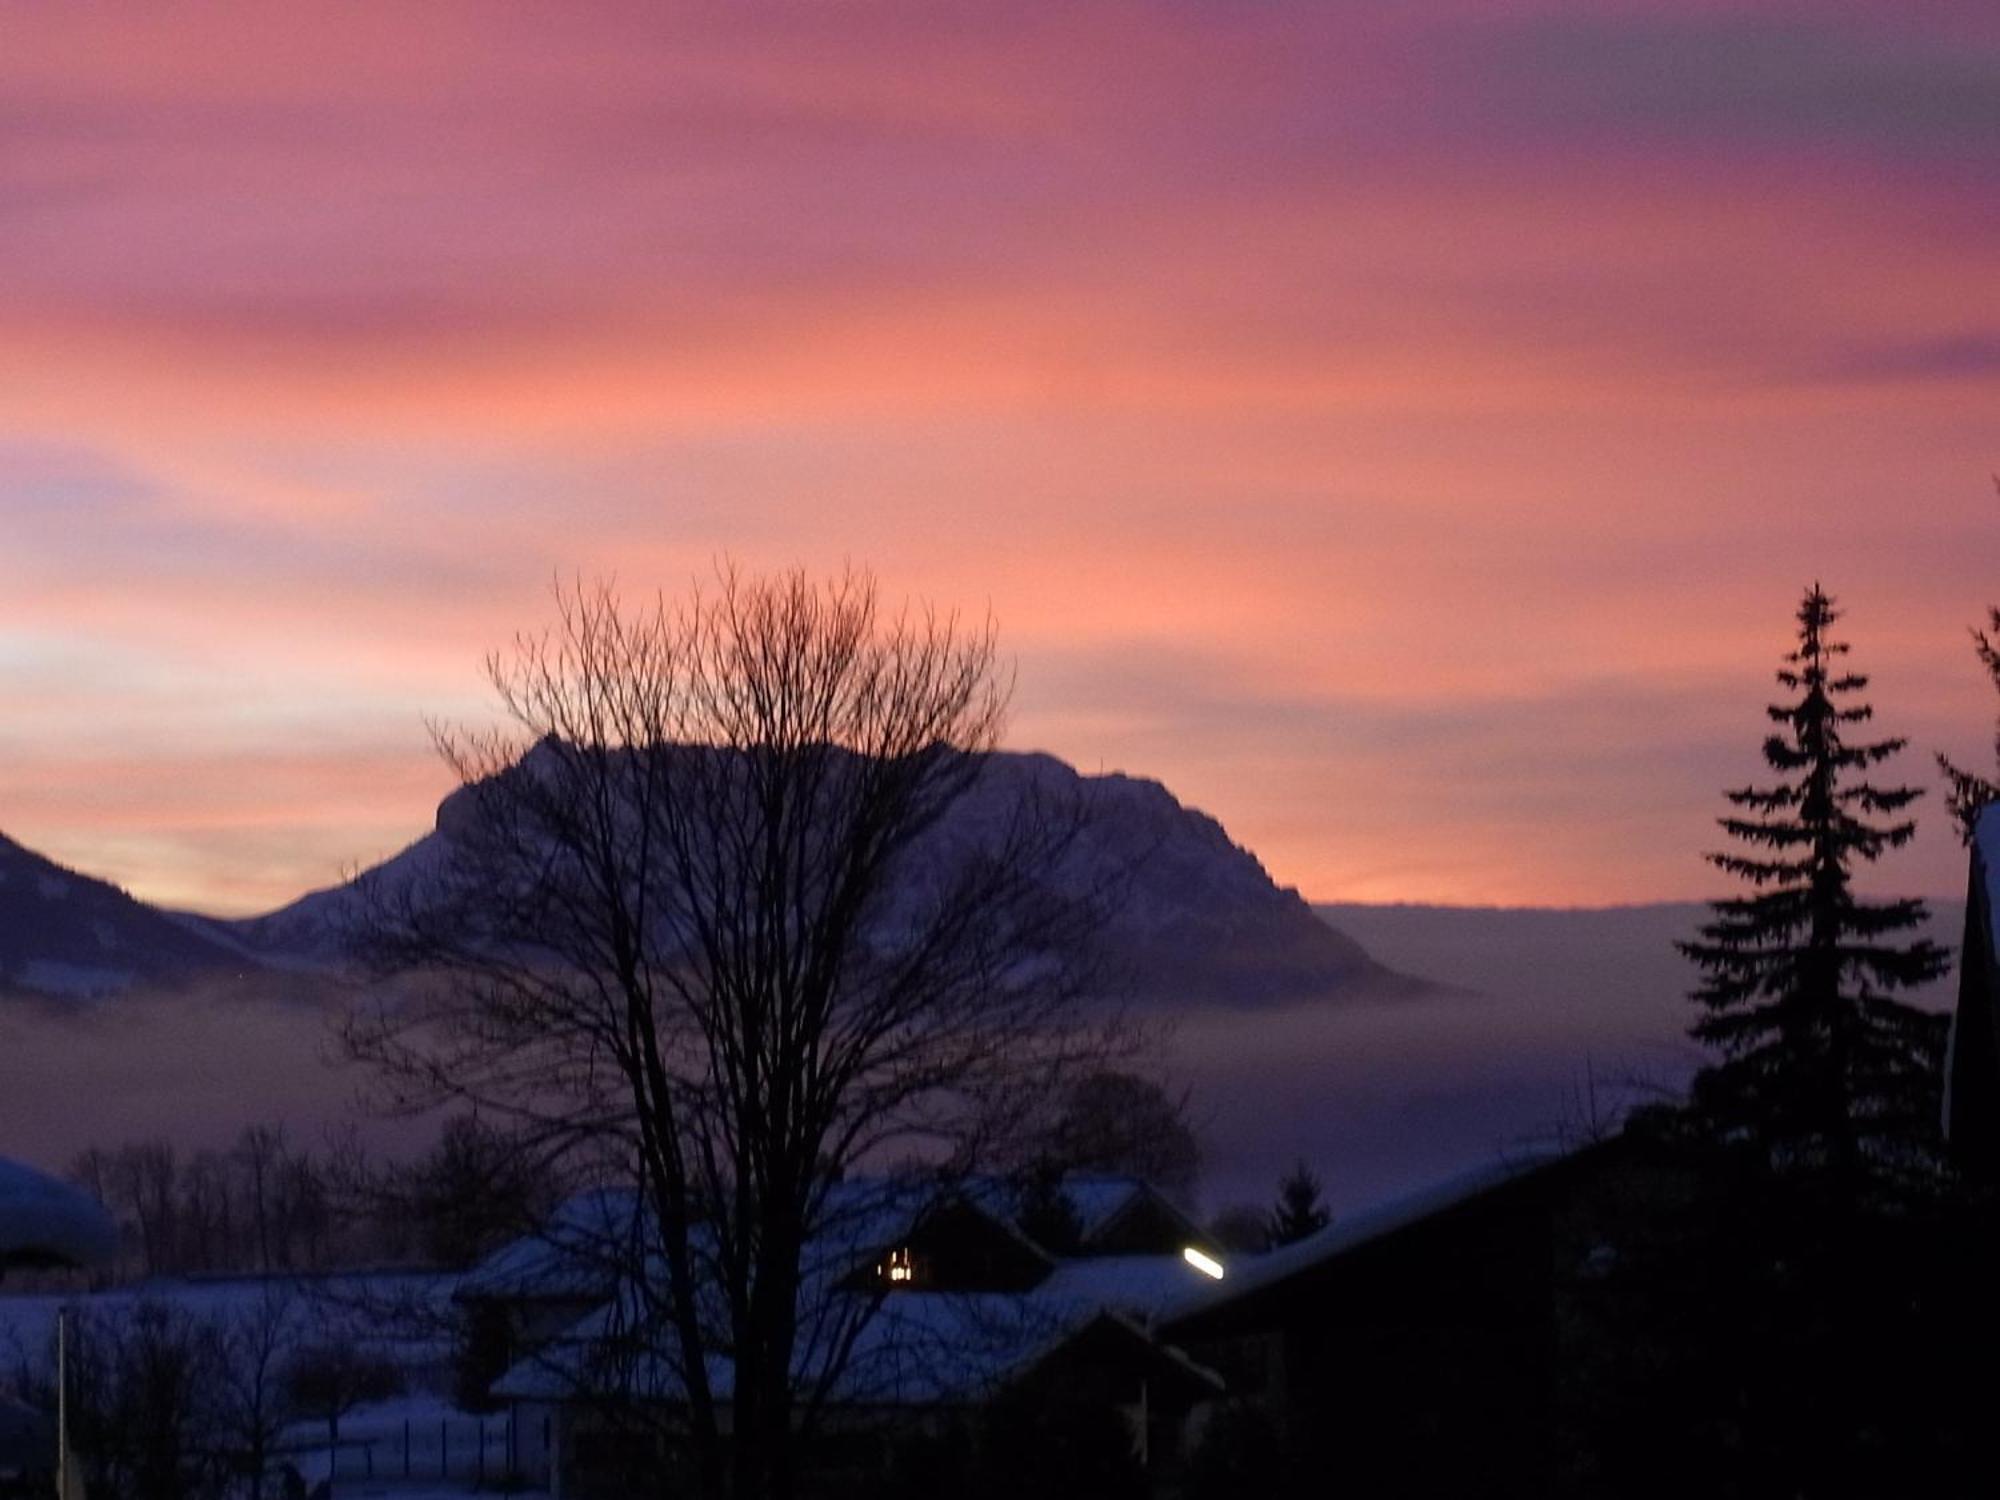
(1820, 1064)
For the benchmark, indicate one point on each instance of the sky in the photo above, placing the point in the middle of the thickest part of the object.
(1403, 429)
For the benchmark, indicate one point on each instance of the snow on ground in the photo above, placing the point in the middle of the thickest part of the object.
(402, 1316)
(420, 1445)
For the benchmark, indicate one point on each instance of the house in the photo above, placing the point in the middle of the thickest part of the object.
(918, 1309)
(1972, 1061)
(1415, 1346)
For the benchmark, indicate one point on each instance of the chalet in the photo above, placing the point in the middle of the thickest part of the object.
(1972, 1065)
(936, 1305)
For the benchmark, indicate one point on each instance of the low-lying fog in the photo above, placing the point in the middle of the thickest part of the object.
(1376, 1097)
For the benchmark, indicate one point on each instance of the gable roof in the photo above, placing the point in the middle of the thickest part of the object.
(912, 1349)
(1102, 1199)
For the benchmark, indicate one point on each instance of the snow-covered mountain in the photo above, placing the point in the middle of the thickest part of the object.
(1196, 918)
(67, 936)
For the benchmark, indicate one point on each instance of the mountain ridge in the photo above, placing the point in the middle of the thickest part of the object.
(1202, 920)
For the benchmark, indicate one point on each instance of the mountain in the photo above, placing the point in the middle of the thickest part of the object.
(67, 936)
(1196, 918)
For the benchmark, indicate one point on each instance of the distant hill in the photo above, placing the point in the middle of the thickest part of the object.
(1197, 919)
(68, 936)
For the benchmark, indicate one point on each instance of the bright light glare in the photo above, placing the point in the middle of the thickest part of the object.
(1208, 1265)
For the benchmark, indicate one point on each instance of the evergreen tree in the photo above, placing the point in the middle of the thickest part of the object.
(1820, 1065)
(1970, 792)
(1299, 1211)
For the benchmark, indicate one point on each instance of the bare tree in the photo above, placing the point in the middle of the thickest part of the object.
(698, 917)
(260, 1151)
(144, 1182)
(251, 1401)
(140, 1381)
(207, 1222)
(330, 1379)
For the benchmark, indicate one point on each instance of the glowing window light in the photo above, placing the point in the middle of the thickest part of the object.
(901, 1267)
(1208, 1265)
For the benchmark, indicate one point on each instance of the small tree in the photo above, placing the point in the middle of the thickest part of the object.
(142, 1413)
(1299, 1211)
(476, 1188)
(250, 1398)
(1114, 1121)
(330, 1380)
(1820, 1063)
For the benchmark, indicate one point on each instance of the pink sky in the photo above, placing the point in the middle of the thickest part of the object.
(1403, 429)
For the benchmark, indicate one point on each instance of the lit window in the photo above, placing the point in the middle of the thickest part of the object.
(900, 1269)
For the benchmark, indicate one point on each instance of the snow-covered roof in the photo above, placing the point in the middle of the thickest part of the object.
(914, 1348)
(590, 1241)
(43, 1221)
(1100, 1197)
(1252, 1273)
(575, 1254)
(1140, 1286)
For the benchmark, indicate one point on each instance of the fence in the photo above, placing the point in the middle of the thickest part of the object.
(485, 1452)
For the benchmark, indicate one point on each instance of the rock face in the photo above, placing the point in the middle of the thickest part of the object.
(67, 936)
(1194, 918)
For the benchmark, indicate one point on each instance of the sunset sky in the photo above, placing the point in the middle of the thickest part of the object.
(1404, 429)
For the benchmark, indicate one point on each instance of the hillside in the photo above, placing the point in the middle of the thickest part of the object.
(69, 936)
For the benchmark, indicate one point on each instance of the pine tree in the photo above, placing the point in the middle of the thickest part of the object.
(1820, 1065)
(1299, 1211)
(1970, 792)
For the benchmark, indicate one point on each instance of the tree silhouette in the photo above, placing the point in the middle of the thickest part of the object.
(1112, 1121)
(694, 926)
(1299, 1211)
(1820, 1065)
